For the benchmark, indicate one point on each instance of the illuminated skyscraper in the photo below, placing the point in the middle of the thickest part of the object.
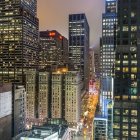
(18, 39)
(127, 72)
(107, 59)
(79, 45)
(53, 49)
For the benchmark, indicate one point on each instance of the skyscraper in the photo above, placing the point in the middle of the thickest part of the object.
(107, 52)
(72, 86)
(107, 59)
(79, 45)
(53, 49)
(18, 39)
(127, 74)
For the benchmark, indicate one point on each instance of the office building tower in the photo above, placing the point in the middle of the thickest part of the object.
(127, 74)
(72, 88)
(57, 94)
(44, 95)
(107, 59)
(18, 39)
(107, 52)
(5, 111)
(79, 45)
(18, 109)
(53, 49)
(31, 91)
(66, 95)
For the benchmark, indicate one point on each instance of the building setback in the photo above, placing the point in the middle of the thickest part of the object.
(127, 74)
(18, 39)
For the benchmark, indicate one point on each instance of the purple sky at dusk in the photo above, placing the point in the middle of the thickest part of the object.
(53, 14)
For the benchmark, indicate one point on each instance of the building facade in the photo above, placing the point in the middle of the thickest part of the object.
(44, 94)
(127, 74)
(72, 86)
(31, 84)
(18, 39)
(57, 94)
(79, 45)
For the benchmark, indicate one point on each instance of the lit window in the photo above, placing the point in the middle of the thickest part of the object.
(133, 28)
(134, 69)
(125, 69)
(125, 28)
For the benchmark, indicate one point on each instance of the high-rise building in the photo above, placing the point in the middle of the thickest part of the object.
(53, 49)
(107, 59)
(72, 90)
(57, 94)
(127, 74)
(44, 95)
(79, 45)
(107, 52)
(18, 39)
(31, 84)
(18, 109)
(36, 83)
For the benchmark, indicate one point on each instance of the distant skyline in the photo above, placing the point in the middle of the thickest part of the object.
(53, 15)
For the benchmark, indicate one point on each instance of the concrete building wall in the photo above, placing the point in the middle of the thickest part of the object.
(5, 111)
(5, 128)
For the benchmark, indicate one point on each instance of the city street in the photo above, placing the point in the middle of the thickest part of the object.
(89, 104)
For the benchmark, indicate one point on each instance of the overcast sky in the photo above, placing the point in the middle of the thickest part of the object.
(53, 15)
